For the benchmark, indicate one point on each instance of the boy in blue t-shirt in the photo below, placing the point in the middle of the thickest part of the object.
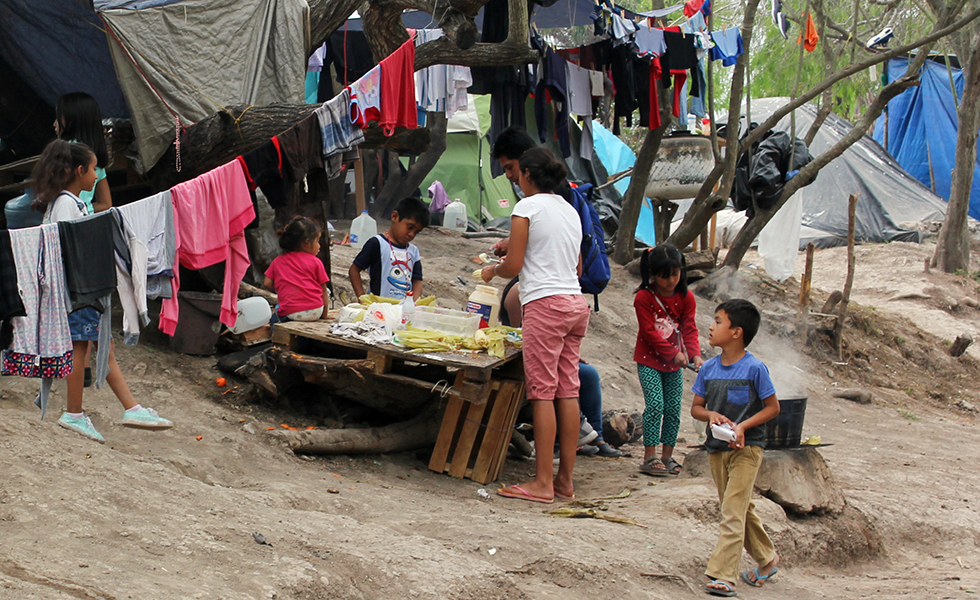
(392, 261)
(735, 389)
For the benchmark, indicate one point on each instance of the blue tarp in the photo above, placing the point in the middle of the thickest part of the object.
(922, 128)
(59, 46)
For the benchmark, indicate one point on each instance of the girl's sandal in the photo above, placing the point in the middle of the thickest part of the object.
(655, 467)
(673, 467)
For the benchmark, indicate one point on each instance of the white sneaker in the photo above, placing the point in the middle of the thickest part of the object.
(145, 418)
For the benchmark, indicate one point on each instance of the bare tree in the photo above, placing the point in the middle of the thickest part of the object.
(953, 248)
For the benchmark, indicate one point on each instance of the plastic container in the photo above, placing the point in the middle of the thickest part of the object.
(446, 320)
(485, 301)
(455, 216)
(198, 326)
(253, 313)
(786, 430)
(362, 229)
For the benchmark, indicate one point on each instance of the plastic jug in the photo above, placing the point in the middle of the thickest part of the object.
(253, 313)
(455, 216)
(485, 301)
(362, 229)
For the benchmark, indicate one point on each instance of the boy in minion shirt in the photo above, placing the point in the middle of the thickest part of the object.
(393, 263)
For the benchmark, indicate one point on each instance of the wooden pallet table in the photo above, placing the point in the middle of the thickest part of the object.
(482, 393)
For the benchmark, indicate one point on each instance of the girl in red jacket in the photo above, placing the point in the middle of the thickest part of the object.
(666, 342)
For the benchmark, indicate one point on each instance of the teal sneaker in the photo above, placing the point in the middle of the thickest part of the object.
(145, 418)
(83, 426)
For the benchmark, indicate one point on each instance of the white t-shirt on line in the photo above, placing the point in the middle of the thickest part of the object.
(553, 245)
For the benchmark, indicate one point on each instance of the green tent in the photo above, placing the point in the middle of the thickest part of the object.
(466, 164)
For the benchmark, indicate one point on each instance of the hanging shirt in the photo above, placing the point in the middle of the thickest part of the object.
(694, 24)
(579, 90)
(210, 214)
(263, 168)
(728, 45)
(302, 148)
(553, 81)
(650, 41)
(365, 98)
(339, 134)
(398, 90)
(391, 269)
(622, 30)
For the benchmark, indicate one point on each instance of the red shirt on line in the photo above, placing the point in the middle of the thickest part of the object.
(299, 278)
(653, 349)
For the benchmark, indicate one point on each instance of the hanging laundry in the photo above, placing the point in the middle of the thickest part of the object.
(263, 168)
(150, 238)
(698, 100)
(440, 199)
(579, 85)
(809, 36)
(622, 30)
(624, 80)
(728, 45)
(554, 81)
(693, 7)
(41, 347)
(398, 90)
(661, 12)
(596, 80)
(210, 214)
(365, 99)
(10, 303)
(779, 19)
(302, 148)
(441, 88)
(650, 41)
(880, 39)
(90, 275)
(338, 133)
(694, 24)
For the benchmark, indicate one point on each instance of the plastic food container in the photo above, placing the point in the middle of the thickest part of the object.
(446, 320)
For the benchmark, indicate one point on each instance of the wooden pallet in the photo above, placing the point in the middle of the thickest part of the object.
(473, 439)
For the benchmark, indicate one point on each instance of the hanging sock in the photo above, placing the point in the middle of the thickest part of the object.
(809, 36)
(779, 19)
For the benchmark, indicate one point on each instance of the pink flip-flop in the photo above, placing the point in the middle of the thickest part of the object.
(519, 493)
(564, 497)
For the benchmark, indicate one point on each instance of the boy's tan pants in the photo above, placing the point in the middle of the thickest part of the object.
(734, 472)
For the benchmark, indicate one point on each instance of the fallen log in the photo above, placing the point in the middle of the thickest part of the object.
(318, 365)
(415, 433)
(859, 395)
(248, 291)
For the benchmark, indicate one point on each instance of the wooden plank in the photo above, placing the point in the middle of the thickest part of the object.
(440, 454)
(284, 337)
(514, 407)
(472, 429)
(472, 385)
(382, 361)
(359, 195)
(496, 437)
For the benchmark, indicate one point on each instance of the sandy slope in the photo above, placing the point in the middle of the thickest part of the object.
(164, 515)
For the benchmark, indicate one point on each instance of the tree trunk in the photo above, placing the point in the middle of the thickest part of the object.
(754, 226)
(396, 188)
(953, 248)
(706, 203)
(709, 202)
(415, 433)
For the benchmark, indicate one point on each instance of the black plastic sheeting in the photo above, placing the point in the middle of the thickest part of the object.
(887, 195)
(59, 46)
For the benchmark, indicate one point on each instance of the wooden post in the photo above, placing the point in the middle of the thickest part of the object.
(846, 294)
(803, 314)
(711, 232)
(704, 240)
(359, 195)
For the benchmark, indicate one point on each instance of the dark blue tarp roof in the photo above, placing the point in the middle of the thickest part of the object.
(922, 127)
(59, 46)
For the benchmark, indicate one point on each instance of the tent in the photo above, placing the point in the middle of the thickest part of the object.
(465, 164)
(887, 195)
(919, 127)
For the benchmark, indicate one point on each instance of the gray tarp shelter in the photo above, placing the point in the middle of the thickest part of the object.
(888, 196)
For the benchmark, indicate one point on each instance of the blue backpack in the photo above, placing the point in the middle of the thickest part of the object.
(595, 262)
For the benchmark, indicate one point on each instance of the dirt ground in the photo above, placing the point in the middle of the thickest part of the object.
(171, 515)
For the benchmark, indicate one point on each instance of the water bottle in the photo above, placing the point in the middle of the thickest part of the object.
(362, 229)
(455, 216)
(408, 309)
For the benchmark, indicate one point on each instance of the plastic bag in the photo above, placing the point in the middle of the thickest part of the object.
(779, 241)
(387, 317)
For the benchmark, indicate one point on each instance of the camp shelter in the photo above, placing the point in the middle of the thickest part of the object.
(464, 168)
(919, 127)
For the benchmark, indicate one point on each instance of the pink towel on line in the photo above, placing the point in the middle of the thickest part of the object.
(210, 215)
